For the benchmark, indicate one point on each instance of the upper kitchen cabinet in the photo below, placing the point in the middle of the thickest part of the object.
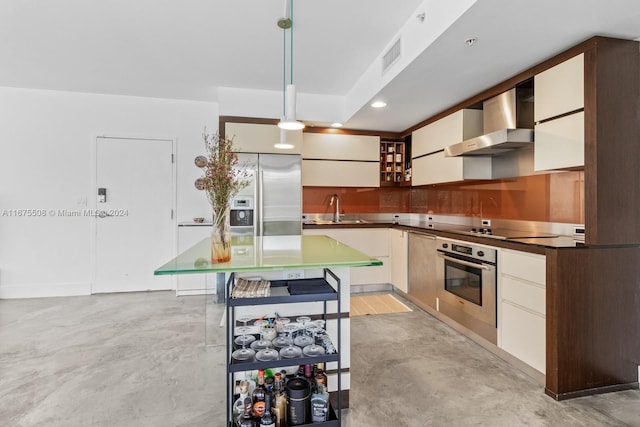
(340, 160)
(429, 164)
(559, 143)
(559, 129)
(560, 89)
(449, 130)
(262, 138)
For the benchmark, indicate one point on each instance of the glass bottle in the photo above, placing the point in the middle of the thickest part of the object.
(319, 403)
(238, 405)
(308, 373)
(279, 401)
(320, 396)
(321, 376)
(258, 396)
(247, 419)
(267, 419)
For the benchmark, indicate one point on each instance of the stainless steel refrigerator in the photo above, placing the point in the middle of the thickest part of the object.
(272, 204)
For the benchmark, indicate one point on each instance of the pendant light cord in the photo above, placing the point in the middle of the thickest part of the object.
(291, 44)
(284, 71)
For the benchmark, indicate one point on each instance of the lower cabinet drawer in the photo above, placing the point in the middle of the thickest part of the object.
(526, 294)
(523, 334)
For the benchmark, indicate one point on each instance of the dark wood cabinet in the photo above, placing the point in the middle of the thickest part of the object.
(593, 293)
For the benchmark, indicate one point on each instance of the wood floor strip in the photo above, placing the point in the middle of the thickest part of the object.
(376, 304)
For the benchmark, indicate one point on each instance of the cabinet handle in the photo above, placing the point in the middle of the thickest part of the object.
(459, 261)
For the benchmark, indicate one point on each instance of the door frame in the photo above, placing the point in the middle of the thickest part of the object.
(93, 196)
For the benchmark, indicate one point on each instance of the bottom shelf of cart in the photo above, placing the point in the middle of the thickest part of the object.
(333, 421)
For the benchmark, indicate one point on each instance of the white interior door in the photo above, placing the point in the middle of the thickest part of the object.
(134, 225)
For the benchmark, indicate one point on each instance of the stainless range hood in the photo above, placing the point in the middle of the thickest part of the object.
(507, 125)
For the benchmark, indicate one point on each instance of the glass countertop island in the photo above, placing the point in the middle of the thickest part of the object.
(269, 253)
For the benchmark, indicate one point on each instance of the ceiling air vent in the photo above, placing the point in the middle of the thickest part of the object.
(391, 56)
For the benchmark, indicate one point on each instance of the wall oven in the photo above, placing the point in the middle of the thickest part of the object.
(466, 275)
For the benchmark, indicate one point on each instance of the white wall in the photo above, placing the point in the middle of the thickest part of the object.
(46, 159)
(268, 104)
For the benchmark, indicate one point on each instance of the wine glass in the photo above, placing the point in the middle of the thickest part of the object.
(282, 340)
(313, 349)
(263, 342)
(244, 353)
(244, 339)
(303, 339)
(267, 354)
(290, 351)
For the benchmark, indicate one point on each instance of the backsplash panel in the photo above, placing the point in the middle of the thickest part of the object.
(554, 197)
(356, 200)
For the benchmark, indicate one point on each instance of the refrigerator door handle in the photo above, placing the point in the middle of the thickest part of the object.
(260, 210)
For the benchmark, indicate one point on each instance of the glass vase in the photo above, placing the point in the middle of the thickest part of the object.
(221, 236)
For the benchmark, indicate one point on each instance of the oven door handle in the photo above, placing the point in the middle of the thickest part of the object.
(467, 263)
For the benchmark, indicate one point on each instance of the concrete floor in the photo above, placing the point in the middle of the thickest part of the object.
(140, 360)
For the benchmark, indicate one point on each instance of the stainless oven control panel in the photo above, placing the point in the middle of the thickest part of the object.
(480, 253)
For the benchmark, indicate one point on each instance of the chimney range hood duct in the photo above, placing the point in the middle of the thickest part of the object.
(507, 122)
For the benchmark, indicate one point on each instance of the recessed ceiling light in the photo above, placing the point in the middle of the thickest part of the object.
(336, 125)
(379, 104)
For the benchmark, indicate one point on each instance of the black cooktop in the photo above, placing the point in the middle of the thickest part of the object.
(502, 233)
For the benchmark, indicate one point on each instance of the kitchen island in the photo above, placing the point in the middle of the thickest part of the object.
(277, 258)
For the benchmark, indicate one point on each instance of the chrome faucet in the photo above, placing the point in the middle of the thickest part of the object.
(336, 214)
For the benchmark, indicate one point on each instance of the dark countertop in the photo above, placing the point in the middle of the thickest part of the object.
(456, 231)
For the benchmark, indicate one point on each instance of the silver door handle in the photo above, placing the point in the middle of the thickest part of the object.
(259, 220)
(459, 261)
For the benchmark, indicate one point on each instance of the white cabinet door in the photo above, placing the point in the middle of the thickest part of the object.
(436, 168)
(524, 265)
(398, 243)
(559, 143)
(454, 128)
(372, 241)
(524, 335)
(331, 173)
(559, 89)
(522, 308)
(340, 160)
(340, 147)
(261, 138)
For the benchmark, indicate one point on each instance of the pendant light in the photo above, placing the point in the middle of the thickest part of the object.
(288, 121)
(283, 144)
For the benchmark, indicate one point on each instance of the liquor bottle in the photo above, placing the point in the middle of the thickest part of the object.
(268, 385)
(247, 419)
(319, 404)
(238, 405)
(320, 376)
(320, 396)
(308, 372)
(267, 419)
(279, 401)
(258, 396)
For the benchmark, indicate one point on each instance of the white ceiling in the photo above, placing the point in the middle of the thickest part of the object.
(188, 49)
